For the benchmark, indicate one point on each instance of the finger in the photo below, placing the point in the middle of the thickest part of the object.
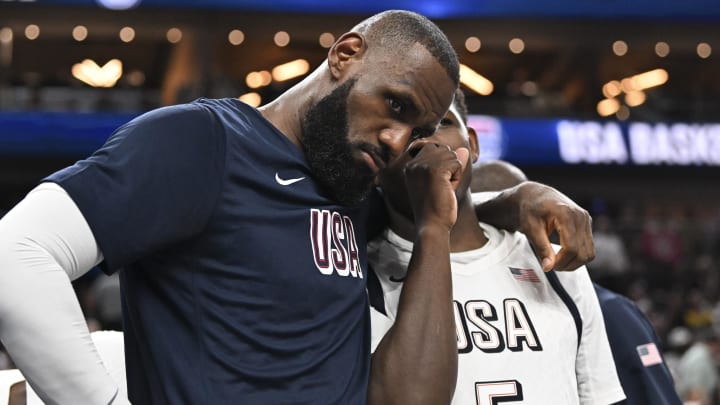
(416, 146)
(569, 242)
(566, 260)
(538, 238)
(463, 155)
(586, 247)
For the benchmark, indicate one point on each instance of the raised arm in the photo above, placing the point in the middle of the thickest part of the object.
(45, 243)
(537, 210)
(416, 361)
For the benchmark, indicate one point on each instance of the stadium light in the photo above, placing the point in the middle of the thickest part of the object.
(290, 70)
(475, 81)
(607, 107)
(252, 99)
(90, 73)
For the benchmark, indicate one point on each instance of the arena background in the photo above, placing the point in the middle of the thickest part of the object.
(613, 102)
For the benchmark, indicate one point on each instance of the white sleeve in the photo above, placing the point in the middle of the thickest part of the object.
(44, 243)
(380, 325)
(598, 382)
(484, 196)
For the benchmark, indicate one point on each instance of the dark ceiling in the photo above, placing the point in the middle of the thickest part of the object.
(567, 60)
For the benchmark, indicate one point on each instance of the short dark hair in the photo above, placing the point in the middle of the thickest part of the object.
(402, 29)
(459, 103)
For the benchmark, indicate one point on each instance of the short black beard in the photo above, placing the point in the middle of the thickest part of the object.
(329, 152)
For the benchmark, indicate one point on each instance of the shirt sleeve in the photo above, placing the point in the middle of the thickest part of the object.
(155, 182)
(598, 382)
(633, 339)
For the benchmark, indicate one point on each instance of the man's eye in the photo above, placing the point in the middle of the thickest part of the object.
(395, 105)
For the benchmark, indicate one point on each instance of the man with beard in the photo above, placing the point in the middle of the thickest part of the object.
(239, 232)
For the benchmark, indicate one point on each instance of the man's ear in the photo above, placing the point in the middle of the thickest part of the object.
(347, 49)
(474, 147)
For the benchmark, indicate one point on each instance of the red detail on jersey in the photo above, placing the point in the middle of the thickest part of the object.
(524, 274)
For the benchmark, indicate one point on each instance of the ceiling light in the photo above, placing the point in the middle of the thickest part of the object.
(174, 35)
(473, 44)
(281, 38)
(265, 77)
(607, 107)
(611, 89)
(326, 39)
(635, 98)
(89, 72)
(32, 32)
(290, 70)
(649, 79)
(252, 99)
(253, 80)
(475, 81)
(516, 45)
(79, 33)
(662, 49)
(236, 37)
(704, 50)
(6, 35)
(620, 48)
(127, 34)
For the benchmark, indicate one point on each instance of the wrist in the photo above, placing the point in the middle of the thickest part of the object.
(433, 232)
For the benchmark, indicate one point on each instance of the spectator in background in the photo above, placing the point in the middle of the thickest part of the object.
(698, 369)
(661, 246)
(611, 262)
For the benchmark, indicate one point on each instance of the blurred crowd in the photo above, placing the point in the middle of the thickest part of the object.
(663, 256)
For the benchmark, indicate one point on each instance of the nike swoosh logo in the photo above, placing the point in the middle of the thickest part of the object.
(287, 182)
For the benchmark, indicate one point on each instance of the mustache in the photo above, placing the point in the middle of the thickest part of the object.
(382, 152)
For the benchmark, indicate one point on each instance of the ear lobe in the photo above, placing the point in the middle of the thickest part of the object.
(474, 147)
(348, 48)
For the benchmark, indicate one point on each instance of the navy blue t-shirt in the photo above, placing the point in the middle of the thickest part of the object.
(637, 352)
(242, 282)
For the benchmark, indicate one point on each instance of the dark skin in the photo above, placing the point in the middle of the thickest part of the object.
(540, 210)
(17, 394)
(421, 350)
(399, 200)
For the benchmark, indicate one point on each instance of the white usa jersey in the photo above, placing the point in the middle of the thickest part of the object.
(524, 337)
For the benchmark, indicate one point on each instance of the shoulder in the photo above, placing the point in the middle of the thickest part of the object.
(622, 315)
(179, 115)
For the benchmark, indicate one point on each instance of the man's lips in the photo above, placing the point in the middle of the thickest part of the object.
(372, 159)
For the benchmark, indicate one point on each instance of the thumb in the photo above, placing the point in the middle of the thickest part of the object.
(543, 249)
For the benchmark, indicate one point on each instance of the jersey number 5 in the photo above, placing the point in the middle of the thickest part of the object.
(495, 392)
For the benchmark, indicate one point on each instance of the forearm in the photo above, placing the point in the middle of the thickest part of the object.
(416, 362)
(502, 211)
(41, 323)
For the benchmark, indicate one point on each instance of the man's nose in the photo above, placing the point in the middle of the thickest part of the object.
(396, 138)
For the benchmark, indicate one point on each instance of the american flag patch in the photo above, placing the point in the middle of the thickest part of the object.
(649, 354)
(524, 274)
